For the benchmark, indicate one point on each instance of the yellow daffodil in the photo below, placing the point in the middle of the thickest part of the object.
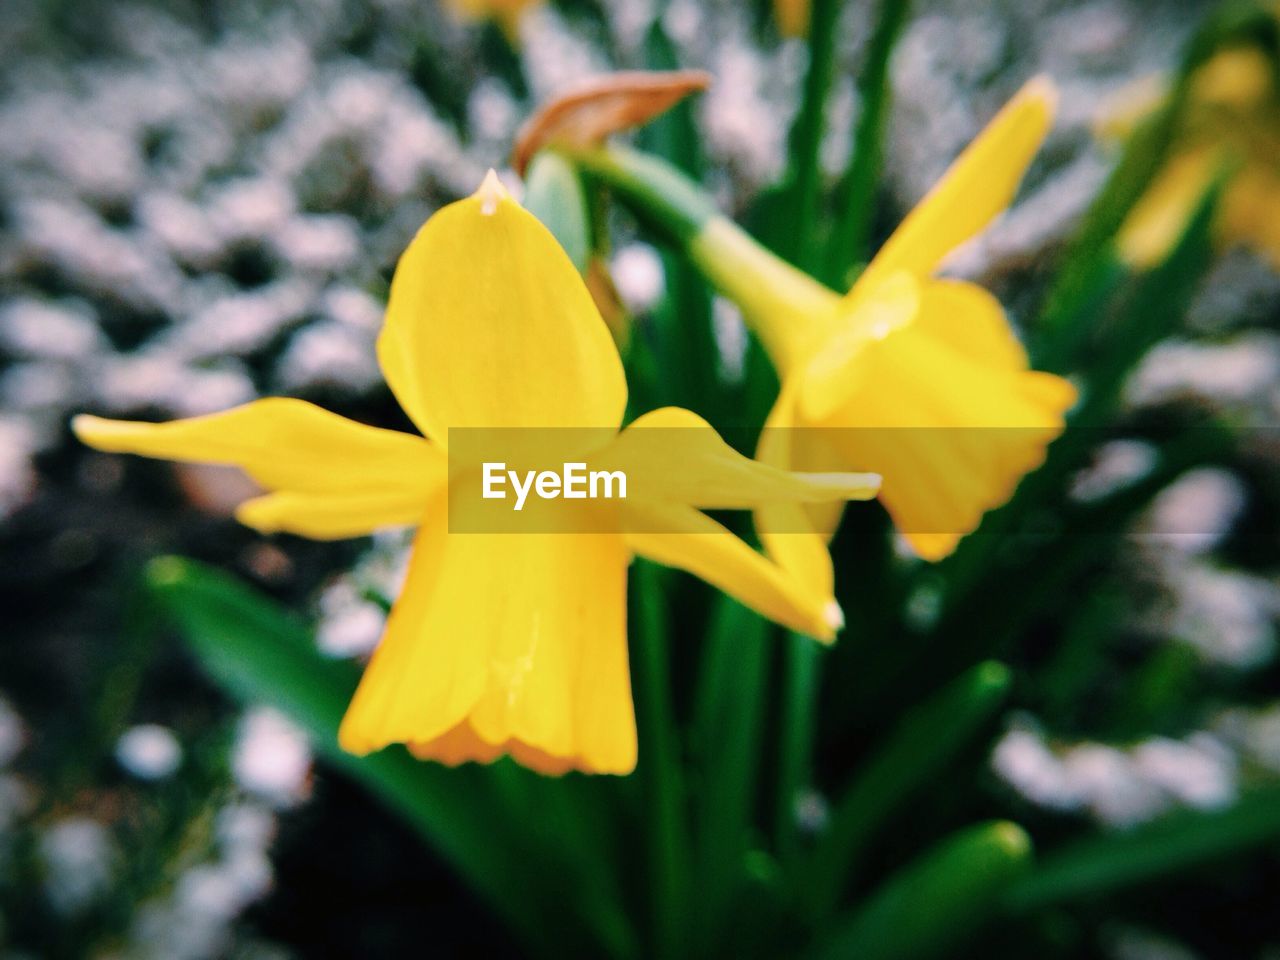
(1231, 117)
(505, 13)
(503, 642)
(913, 376)
(792, 17)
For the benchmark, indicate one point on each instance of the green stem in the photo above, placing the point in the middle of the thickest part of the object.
(658, 193)
(802, 673)
(851, 235)
(776, 298)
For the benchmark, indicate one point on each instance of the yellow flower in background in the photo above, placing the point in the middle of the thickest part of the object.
(1232, 116)
(505, 13)
(500, 643)
(792, 17)
(918, 378)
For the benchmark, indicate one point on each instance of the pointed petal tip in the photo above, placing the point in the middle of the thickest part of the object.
(166, 571)
(491, 193)
(94, 431)
(1011, 838)
(850, 486)
(258, 514)
(1041, 88)
(81, 424)
(352, 741)
(863, 486)
(833, 616)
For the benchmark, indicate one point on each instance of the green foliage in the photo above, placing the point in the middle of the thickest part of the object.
(263, 654)
(553, 193)
(1099, 866)
(931, 906)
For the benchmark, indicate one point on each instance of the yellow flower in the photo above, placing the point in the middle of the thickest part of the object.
(916, 377)
(792, 17)
(500, 643)
(1232, 115)
(506, 13)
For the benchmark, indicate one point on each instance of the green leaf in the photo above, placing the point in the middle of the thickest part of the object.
(801, 666)
(683, 332)
(726, 740)
(850, 242)
(798, 243)
(1179, 842)
(1152, 309)
(1026, 578)
(261, 653)
(930, 907)
(674, 135)
(553, 193)
(661, 772)
(916, 754)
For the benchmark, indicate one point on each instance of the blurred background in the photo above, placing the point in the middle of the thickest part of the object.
(202, 203)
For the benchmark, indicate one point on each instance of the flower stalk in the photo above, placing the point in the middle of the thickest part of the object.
(770, 292)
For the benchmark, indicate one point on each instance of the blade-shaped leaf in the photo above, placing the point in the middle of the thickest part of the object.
(726, 742)
(850, 242)
(913, 756)
(1102, 865)
(261, 653)
(931, 906)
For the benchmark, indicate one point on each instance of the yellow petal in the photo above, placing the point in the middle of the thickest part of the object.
(979, 185)
(792, 17)
(506, 13)
(1158, 219)
(971, 321)
(334, 477)
(463, 745)
(1237, 77)
(1250, 211)
(672, 455)
(795, 537)
(490, 325)
(832, 372)
(338, 517)
(693, 542)
(504, 643)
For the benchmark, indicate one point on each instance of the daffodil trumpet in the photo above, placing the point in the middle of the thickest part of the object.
(916, 377)
(500, 643)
